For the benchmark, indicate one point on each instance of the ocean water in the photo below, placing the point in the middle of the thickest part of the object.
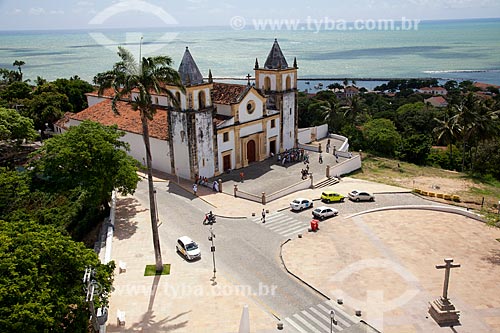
(462, 49)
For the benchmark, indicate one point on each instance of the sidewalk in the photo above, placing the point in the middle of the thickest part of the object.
(185, 300)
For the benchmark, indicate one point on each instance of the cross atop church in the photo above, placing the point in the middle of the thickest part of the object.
(248, 78)
(447, 266)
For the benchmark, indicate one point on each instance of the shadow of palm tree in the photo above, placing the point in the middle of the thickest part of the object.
(493, 258)
(149, 322)
(126, 210)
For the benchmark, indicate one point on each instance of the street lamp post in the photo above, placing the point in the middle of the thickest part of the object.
(212, 249)
(89, 285)
(156, 206)
(332, 320)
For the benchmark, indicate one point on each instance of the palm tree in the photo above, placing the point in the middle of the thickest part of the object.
(447, 130)
(345, 82)
(19, 64)
(148, 76)
(330, 113)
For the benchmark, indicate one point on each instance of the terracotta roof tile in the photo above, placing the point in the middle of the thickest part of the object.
(63, 121)
(108, 92)
(128, 120)
(225, 93)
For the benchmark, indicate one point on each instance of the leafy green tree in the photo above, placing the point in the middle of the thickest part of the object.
(15, 91)
(46, 106)
(415, 118)
(335, 86)
(41, 274)
(355, 135)
(415, 149)
(149, 75)
(14, 127)
(381, 136)
(90, 156)
(75, 89)
(14, 189)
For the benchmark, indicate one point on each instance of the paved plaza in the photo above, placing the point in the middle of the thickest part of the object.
(382, 263)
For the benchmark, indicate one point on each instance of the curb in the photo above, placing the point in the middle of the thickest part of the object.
(296, 276)
(450, 210)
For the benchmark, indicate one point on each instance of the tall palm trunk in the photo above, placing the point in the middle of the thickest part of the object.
(152, 204)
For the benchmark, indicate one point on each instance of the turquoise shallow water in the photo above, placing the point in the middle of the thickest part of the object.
(468, 49)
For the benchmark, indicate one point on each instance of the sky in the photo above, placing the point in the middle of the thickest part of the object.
(88, 14)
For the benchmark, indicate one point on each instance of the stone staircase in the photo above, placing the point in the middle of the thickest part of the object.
(330, 181)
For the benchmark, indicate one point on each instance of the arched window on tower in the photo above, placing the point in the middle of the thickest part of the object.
(201, 100)
(267, 83)
(288, 83)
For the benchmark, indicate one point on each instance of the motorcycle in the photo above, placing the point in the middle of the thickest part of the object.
(209, 219)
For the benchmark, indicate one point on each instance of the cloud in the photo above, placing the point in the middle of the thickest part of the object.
(56, 12)
(16, 11)
(36, 11)
(84, 3)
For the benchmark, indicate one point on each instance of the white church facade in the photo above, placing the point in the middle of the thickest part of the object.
(219, 126)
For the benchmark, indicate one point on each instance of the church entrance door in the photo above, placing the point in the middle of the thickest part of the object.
(251, 151)
(226, 160)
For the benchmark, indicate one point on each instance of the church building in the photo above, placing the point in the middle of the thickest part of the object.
(219, 126)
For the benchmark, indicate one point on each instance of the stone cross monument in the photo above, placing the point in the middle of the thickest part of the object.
(442, 310)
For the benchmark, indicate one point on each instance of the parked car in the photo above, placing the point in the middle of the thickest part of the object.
(300, 204)
(330, 196)
(324, 212)
(188, 248)
(361, 196)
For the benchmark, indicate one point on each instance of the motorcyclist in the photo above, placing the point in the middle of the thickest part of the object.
(209, 218)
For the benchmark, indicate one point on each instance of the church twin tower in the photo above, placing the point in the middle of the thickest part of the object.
(224, 126)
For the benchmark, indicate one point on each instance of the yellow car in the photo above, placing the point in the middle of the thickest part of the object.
(330, 196)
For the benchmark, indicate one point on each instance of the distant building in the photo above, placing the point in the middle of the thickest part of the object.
(436, 101)
(433, 91)
(347, 92)
(484, 86)
(219, 127)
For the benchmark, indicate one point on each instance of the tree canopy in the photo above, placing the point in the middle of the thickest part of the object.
(90, 156)
(41, 274)
(15, 127)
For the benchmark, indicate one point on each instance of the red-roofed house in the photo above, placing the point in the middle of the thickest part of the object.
(218, 127)
(436, 101)
(433, 91)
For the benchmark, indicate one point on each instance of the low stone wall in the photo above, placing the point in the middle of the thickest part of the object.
(263, 198)
(302, 185)
(345, 145)
(346, 166)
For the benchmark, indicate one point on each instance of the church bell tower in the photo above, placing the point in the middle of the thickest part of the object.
(278, 82)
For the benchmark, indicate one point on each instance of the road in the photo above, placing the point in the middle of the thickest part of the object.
(248, 251)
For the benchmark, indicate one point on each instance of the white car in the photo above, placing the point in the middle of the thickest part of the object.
(300, 204)
(360, 196)
(324, 212)
(188, 248)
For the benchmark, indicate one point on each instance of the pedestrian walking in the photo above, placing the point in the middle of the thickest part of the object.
(320, 158)
(263, 216)
(242, 176)
(336, 158)
(195, 188)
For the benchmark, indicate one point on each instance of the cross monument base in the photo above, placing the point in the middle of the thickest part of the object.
(444, 313)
